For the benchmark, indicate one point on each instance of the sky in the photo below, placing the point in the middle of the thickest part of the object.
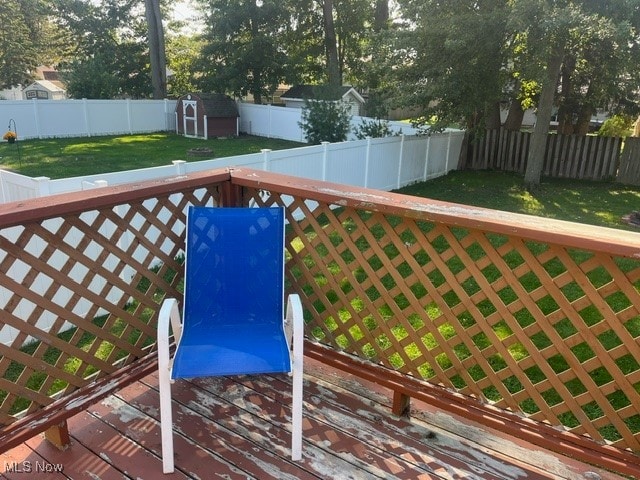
(183, 10)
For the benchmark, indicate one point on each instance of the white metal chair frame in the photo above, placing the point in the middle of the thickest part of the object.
(293, 325)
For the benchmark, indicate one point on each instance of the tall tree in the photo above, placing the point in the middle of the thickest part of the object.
(111, 57)
(158, 59)
(303, 41)
(334, 76)
(567, 38)
(449, 59)
(26, 40)
(243, 52)
(598, 71)
(182, 57)
(353, 27)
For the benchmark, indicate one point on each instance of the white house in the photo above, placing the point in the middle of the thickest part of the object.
(13, 93)
(296, 95)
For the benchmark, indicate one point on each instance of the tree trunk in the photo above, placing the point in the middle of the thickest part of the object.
(535, 161)
(381, 18)
(157, 56)
(565, 121)
(492, 116)
(513, 123)
(331, 46)
(584, 120)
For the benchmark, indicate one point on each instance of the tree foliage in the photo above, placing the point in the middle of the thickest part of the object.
(27, 40)
(375, 128)
(243, 51)
(251, 46)
(111, 58)
(585, 50)
(460, 60)
(325, 121)
(182, 56)
(617, 126)
(448, 59)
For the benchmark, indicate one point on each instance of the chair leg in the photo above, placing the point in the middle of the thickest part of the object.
(169, 308)
(166, 425)
(295, 311)
(296, 416)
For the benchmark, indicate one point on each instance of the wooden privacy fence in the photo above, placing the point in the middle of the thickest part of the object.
(566, 156)
(531, 325)
(629, 171)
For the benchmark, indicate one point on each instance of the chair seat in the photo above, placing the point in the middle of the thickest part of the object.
(232, 350)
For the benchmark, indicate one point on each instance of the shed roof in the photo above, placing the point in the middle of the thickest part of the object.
(46, 85)
(217, 105)
(324, 92)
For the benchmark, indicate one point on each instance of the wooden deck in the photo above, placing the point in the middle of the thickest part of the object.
(236, 429)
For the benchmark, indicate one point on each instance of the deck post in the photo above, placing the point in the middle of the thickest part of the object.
(58, 435)
(230, 195)
(401, 404)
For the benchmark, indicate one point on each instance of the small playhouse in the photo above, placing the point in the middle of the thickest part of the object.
(207, 115)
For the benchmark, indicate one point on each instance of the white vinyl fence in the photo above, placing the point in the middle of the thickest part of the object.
(381, 163)
(86, 118)
(283, 122)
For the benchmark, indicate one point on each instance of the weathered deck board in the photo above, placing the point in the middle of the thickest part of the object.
(239, 428)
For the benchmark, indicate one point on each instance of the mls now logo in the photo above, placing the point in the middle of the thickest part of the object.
(32, 467)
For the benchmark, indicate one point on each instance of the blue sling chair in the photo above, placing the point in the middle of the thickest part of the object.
(233, 320)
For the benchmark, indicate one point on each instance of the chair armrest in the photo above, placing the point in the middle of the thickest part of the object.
(294, 327)
(169, 314)
(171, 311)
(294, 318)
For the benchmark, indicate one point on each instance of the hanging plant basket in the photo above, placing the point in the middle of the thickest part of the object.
(10, 137)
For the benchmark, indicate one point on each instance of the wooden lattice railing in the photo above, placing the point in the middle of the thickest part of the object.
(537, 317)
(82, 277)
(532, 317)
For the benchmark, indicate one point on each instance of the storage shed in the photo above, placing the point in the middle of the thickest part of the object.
(295, 97)
(44, 90)
(207, 115)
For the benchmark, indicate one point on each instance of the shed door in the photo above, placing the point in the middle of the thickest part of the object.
(190, 118)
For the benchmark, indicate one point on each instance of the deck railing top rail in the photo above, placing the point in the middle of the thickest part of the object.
(570, 234)
(532, 317)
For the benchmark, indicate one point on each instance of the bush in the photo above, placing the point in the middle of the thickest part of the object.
(374, 129)
(617, 126)
(325, 121)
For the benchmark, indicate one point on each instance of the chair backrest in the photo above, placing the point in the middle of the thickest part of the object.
(234, 265)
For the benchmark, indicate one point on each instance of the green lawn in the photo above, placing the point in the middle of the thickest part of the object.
(596, 203)
(73, 157)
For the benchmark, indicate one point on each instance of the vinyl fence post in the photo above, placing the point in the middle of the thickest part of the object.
(85, 110)
(180, 167)
(325, 158)
(265, 158)
(36, 117)
(401, 154)
(42, 185)
(366, 164)
(426, 159)
(446, 165)
(129, 119)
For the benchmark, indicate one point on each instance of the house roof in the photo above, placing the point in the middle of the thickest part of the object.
(303, 92)
(217, 105)
(49, 73)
